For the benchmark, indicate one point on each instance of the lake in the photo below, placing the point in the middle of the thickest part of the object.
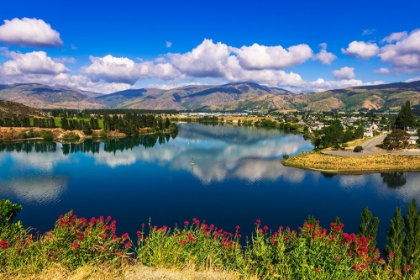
(225, 175)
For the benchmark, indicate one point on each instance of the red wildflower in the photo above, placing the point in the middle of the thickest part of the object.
(80, 237)
(118, 253)
(191, 237)
(265, 228)
(127, 245)
(257, 222)
(391, 255)
(74, 245)
(124, 236)
(408, 267)
(83, 221)
(186, 223)
(317, 269)
(108, 218)
(237, 227)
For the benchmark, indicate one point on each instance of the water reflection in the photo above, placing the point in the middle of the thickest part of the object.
(34, 190)
(394, 179)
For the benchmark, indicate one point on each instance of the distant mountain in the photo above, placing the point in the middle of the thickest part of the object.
(10, 109)
(42, 96)
(233, 96)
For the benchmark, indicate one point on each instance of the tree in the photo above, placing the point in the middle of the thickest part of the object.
(396, 139)
(405, 117)
(412, 239)
(396, 237)
(368, 226)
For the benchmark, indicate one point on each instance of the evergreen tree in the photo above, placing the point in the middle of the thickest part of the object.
(405, 117)
(412, 240)
(396, 237)
(368, 226)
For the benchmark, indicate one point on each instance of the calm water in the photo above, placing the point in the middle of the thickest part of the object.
(236, 178)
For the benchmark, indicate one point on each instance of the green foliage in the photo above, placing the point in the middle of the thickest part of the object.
(47, 135)
(286, 156)
(8, 229)
(405, 117)
(411, 250)
(71, 136)
(368, 226)
(358, 149)
(395, 140)
(396, 238)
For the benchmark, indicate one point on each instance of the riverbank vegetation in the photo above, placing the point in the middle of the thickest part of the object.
(311, 252)
(354, 164)
(73, 128)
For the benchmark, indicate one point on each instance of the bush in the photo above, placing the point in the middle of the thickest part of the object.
(71, 136)
(47, 135)
(286, 156)
(358, 149)
(102, 133)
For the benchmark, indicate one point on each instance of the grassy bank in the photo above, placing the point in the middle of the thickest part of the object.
(359, 164)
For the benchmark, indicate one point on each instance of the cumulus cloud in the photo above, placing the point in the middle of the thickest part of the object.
(397, 36)
(168, 44)
(73, 47)
(124, 70)
(345, 73)
(324, 56)
(361, 49)
(29, 32)
(36, 62)
(206, 60)
(257, 57)
(404, 54)
(382, 70)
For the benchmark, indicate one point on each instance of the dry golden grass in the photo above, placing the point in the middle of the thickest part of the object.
(129, 273)
(368, 163)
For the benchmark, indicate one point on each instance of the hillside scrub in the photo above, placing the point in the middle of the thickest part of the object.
(346, 164)
(310, 252)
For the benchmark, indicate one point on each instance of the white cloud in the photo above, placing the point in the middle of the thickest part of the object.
(73, 47)
(124, 70)
(382, 70)
(404, 55)
(415, 79)
(368, 31)
(324, 56)
(36, 62)
(205, 60)
(258, 57)
(397, 36)
(168, 44)
(29, 32)
(345, 73)
(361, 49)
(65, 59)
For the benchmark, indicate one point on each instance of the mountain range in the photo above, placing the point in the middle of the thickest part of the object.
(233, 96)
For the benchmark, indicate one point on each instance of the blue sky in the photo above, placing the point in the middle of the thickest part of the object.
(302, 46)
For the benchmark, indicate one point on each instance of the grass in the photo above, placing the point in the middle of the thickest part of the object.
(342, 164)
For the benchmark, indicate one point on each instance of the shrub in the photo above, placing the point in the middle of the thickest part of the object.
(71, 136)
(286, 156)
(358, 149)
(47, 135)
(102, 133)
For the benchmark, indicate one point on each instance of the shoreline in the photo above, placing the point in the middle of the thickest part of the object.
(373, 163)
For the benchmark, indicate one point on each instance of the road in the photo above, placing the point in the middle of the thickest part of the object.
(369, 148)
